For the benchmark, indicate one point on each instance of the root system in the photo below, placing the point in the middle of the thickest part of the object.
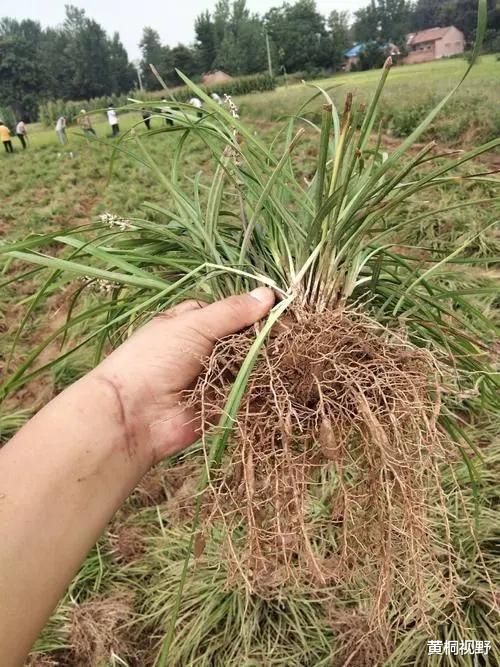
(339, 421)
(98, 630)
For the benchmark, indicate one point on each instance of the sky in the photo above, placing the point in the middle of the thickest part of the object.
(173, 19)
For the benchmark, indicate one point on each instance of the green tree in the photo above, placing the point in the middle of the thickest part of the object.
(395, 19)
(152, 54)
(206, 45)
(463, 15)
(184, 59)
(20, 71)
(460, 13)
(233, 39)
(243, 47)
(299, 36)
(426, 14)
(88, 54)
(384, 20)
(57, 72)
(222, 15)
(122, 72)
(74, 61)
(373, 56)
(366, 24)
(340, 34)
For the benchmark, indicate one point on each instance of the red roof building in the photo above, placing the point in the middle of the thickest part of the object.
(433, 44)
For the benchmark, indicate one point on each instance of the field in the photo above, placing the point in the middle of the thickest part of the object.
(117, 605)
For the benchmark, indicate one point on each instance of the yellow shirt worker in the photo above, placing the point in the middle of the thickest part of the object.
(5, 137)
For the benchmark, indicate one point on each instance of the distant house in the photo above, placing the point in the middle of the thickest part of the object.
(213, 78)
(351, 56)
(434, 43)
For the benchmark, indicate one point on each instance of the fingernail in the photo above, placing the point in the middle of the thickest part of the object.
(260, 294)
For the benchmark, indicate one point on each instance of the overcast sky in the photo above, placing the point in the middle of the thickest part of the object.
(173, 19)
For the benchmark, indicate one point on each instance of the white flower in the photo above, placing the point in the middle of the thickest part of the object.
(113, 220)
(105, 285)
(230, 150)
(98, 284)
(233, 109)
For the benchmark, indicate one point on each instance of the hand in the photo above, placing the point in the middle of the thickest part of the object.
(65, 473)
(148, 373)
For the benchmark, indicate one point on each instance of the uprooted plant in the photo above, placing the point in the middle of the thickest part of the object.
(346, 402)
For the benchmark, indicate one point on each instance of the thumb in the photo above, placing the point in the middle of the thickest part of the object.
(232, 314)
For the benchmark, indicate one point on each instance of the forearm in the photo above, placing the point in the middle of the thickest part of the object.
(66, 472)
(62, 478)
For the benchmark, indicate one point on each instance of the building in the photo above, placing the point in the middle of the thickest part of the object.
(434, 43)
(351, 56)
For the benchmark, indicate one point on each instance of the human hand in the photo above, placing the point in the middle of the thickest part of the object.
(147, 374)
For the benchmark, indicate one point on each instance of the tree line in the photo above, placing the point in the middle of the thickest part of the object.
(233, 39)
(73, 61)
(78, 60)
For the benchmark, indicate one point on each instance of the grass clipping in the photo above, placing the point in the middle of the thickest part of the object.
(339, 422)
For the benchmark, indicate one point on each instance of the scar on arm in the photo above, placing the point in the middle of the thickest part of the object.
(127, 430)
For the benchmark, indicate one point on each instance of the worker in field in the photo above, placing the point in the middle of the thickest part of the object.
(146, 117)
(198, 104)
(5, 137)
(22, 133)
(167, 112)
(61, 130)
(84, 122)
(113, 121)
(67, 471)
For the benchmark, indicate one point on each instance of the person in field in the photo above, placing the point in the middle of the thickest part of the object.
(113, 121)
(84, 122)
(198, 104)
(61, 130)
(167, 112)
(22, 133)
(66, 472)
(146, 117)
(5, 137)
